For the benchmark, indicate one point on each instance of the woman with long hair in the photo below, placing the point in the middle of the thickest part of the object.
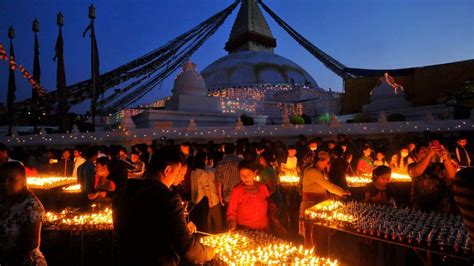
(21, 216)
(365, 164)
(207, 211)
(315, 185)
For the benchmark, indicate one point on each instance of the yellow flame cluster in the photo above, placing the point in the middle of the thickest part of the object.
(327, 206)
(76, 188)
(328, 211)
(258, 248)
(101, 220)
(360, 181)
(290, 180)
(49, 182)
(400, 177)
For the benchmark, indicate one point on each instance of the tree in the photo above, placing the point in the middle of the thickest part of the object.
(361, 118)
(297, 120)
(247, 120)
(323, 119)
(464, 97)
(396, 117)
(307, 119)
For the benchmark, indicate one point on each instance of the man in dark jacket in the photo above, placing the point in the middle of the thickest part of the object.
(86, 172)
(66, 165)
(339, 169)
(118, 167)
(461, 153)
(149, 218)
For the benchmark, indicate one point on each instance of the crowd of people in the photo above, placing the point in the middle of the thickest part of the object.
(165, 192)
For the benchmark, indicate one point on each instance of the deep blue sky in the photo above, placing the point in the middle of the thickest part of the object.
(359, 33)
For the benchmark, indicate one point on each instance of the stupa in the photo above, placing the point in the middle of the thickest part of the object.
(387, 95)
(251, 59)
(250, 80)
(189, 101)
(253, 79)
(190, 93)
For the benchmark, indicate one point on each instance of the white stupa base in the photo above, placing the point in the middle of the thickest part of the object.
(387, 104)
(179, 119)
(192, 103)
(438, 112)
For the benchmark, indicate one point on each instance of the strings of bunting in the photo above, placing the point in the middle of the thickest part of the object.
(3, 53)
(34, 84)
(12, 63)
(153, 67)
(13, 66)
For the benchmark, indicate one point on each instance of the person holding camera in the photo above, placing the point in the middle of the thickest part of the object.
(432, 175)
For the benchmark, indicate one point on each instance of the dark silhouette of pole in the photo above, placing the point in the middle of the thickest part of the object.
(61, 77)
(11, 82)
(36, 76)
(95, 75)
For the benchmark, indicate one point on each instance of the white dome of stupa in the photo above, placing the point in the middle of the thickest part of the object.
(251, 60)
(254, 67)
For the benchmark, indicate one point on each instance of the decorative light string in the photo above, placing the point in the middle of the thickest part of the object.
(148, 134)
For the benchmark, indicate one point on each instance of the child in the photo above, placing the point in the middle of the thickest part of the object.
(401, 160)
(365, 164)
(248, 201)
(103, 187)
(289, 167)
(380, 159)
(379, 191)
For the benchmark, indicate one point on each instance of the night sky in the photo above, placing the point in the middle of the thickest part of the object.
(358, 33)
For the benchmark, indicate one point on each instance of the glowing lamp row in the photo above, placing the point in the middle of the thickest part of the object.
(49, 182)
(258, 248)
(101, 220)
(358, 181)
(289, 180)
(329, 211)
(76, 188)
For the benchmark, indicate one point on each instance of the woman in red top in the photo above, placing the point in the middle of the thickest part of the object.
(248, 201)
(365, 165)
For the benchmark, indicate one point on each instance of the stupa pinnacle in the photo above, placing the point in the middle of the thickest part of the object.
(250, 31)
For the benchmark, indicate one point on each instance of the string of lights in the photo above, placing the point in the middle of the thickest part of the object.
(148, 134)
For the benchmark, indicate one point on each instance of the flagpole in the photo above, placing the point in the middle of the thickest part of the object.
(61, 77)
(11, 82)
(36, 77)
(94, 86)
